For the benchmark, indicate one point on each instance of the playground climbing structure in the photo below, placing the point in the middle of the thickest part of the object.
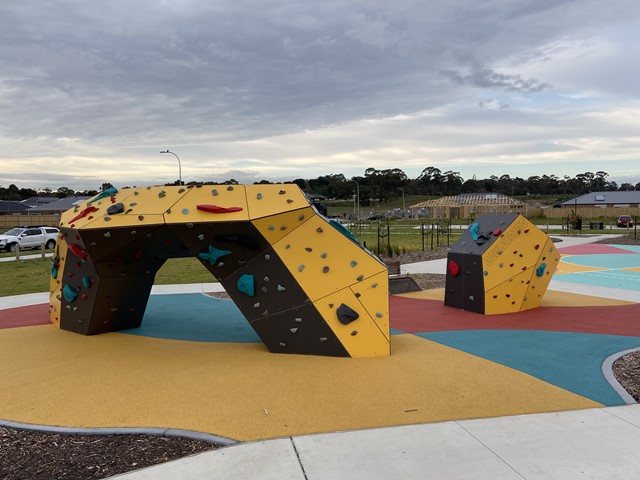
(501, 264)
(304, 283)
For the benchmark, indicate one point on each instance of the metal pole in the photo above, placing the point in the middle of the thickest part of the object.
(357, 197)
(179, 165)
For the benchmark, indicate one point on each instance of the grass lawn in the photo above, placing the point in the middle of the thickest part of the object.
(32, 276)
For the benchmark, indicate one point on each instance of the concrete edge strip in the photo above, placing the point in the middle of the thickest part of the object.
(161, 432)
(607, 371)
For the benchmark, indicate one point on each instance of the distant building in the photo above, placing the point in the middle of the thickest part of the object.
(467, 205)
(605, 200)
(12, 208)
(59, 206)
(37, 201)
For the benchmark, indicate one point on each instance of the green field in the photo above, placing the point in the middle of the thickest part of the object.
(32, 276)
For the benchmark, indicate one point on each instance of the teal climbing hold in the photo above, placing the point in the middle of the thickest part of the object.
(343, 230)
(86, 282)
(69, 293)
(54, 272)
(540, 270)
(213, 254)
(246, 284)
(473, 229)
(109, 192)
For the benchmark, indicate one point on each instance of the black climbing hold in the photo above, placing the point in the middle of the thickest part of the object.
(346, 314)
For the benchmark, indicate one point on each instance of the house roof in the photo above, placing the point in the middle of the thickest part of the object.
(59, 206)
(475, 199)
(35, 201)
(604, 198)
(12, 207)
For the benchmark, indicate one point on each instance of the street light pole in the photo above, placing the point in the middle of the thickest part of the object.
(357, 198)
(179, 165)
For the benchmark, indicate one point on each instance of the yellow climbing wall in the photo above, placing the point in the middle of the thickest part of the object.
(302, 283)
(517, 262)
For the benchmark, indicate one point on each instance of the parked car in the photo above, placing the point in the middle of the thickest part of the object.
(625, 221)
(29, 237)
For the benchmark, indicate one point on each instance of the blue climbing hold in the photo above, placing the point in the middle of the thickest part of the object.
(473, 229)
(213, 254)
(246, 284)
(69, 293)
(86, 282)
(540, 270)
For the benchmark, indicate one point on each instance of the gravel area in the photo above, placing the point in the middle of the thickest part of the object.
(26, 455)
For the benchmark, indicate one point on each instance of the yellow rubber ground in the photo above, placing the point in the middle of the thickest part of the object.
(551, 298)
(241, 391)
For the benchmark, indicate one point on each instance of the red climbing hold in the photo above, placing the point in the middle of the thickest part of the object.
(454, 268)
(496, 232)
(217, 209)
(77, 251)
(84, 213)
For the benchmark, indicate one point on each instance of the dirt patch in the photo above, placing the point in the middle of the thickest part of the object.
(628, 239)
(32, 455)
(627, 371)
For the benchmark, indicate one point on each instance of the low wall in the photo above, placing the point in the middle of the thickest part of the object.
(10, 221)
(591, 212)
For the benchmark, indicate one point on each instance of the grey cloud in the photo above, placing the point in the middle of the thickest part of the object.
(484, 77)
(139, 74)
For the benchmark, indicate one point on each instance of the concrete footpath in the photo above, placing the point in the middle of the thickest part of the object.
(600, 443)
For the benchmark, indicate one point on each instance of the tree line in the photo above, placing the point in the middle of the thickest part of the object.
(384, 185)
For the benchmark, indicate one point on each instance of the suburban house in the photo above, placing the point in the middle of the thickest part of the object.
(599, 205)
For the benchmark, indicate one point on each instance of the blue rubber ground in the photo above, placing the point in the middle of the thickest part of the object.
(624, 279)
(194, 317)
(571, 361)
(616, 260)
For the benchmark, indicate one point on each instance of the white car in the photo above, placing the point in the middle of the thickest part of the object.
(29, 237)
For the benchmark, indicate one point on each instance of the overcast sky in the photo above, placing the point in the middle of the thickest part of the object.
(90, 92)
